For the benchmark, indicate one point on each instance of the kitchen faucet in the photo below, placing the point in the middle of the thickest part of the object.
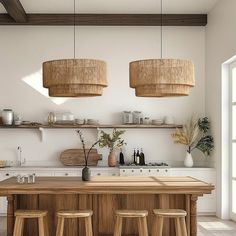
(20, 161)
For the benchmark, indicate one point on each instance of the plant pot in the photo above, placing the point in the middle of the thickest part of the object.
(112, 159)
(188, 162)
(86, 174)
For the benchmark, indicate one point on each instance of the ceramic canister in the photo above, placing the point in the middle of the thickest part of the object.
(7, 117)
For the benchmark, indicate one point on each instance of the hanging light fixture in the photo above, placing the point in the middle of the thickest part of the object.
(74, 77)
(161, 77)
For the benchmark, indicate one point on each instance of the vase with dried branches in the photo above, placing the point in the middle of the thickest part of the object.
(112, 141)
(195, 135)
(86, 172)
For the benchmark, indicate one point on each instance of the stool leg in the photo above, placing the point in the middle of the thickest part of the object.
(177, 227)
(46, 226)
(18, 227)
(88, 226)
(41, 226)
(157, 227)
(118, 226)
(60, 226)
(142, 225)
(183, 226)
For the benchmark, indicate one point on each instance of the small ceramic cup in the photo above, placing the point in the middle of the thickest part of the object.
(169, 120)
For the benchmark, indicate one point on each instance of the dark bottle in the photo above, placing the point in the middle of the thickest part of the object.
(138, 158)
(142, 158)
(121, 158)
(134, 157)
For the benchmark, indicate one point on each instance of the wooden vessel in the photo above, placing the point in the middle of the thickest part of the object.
(104, 195)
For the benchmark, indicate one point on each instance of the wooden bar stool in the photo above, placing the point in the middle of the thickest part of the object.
(21, 215)
(141, 217)
(177, 214)
(86, 214)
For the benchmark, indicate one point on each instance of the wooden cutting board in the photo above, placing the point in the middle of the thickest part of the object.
(75, 157)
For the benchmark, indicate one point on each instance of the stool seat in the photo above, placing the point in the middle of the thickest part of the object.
(132, 213)
(30, 213)
(170, 213)
(75, 214)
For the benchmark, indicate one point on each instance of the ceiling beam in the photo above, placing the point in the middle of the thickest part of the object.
(108, 19)
(15, 10)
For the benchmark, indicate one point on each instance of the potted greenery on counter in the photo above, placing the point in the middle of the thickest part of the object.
(111, 141)
(195, 135)
(86, 173)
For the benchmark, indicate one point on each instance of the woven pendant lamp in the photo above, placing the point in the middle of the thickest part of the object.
(161, 77)
(74, 77)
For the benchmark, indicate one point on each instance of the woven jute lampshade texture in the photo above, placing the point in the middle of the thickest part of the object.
(162, 77)
(74, 77)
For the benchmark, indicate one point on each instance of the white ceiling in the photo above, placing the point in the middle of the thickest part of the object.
(118, 6)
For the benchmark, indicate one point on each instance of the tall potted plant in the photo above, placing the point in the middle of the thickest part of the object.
(86, 173)
(111, 141)
(194, 135)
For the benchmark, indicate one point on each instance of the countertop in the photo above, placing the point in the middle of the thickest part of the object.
(105, 184)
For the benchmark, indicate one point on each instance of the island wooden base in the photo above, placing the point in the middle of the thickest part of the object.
(103, 206)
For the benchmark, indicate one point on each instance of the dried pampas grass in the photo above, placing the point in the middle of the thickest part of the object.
(189, 134)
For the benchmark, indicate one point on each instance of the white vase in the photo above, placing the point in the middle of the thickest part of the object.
(188, 162)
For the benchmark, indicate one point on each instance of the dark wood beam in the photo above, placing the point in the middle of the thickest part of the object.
(15, 10)
(109, 19)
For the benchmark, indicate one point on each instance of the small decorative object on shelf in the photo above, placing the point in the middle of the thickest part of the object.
(112, 142)
(195, 135)
(7, 117)
(121, 158)
(86, 172)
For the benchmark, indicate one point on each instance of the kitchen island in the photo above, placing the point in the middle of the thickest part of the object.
(104, 195)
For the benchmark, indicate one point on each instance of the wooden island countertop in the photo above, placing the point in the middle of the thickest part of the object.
(104, 195)
(108, 184)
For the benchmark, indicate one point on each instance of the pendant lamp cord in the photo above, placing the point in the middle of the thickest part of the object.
(74, 28)
(161, 28)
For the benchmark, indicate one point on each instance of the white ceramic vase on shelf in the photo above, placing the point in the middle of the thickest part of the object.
(188, 162)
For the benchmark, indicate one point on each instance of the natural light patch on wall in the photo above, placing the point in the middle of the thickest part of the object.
(36, 82)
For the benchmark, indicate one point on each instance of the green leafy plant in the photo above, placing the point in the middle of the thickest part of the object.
(113, 140)
(195, 135)
(86, 155)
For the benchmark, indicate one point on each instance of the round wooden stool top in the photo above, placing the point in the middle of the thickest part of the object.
(170, 213)
(132, 213)
(75, 213)
(30, 213)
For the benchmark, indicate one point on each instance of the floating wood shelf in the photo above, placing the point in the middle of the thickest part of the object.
(112, 126)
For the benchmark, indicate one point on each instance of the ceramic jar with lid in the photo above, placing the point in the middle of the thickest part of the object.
(7, 117)
(137, 117)
(127, 117)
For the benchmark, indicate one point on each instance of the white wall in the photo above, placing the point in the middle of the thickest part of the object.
(23, 49)
(220, 47)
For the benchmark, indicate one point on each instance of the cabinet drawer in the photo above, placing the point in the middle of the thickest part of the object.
(66, 173)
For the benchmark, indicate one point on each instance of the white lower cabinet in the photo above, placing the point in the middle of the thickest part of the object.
(105, 172)
(66, 173)
(207, 203)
